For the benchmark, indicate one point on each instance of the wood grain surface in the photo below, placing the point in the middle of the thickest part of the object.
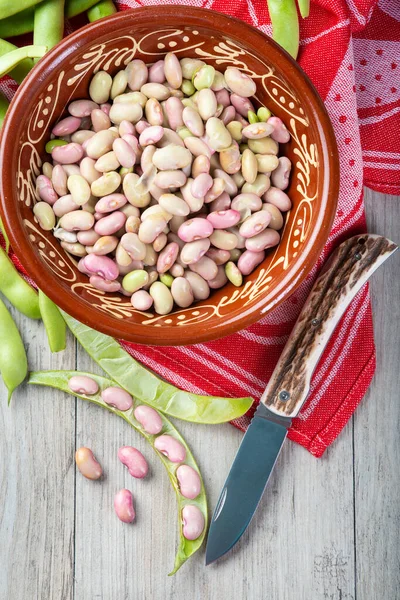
(326, 529)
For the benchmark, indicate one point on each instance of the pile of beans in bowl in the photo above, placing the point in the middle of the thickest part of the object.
(167, 182)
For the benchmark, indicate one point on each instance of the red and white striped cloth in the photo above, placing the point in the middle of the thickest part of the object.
(351, 51)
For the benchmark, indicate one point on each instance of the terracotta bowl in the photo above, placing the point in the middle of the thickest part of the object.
(148, 33)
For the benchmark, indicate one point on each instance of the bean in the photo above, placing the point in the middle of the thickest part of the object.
(123, 506)
(124, 153)
(78, 137)
(171, 157)
(205, 267)
(189, 482)
(106, 184)
(278, 198)
(218, 135)
(249, 166)
(151, 135)
(100, 143)
(45, 190)
(69, 153)
(124, 111)
(187, 87)
(230, 159)
(220, 257)
(123, 259)
(137, 74)
(126, 128)
(199, 285)
(235, 129)
(196, 146)
(193, 251)
(160, 242)
(132, 458)
(201, 184)
(166, 279)
(170, 179)
(156, 72)
(239, 179)
(104, 285)
(222, 97)
(182, 292)
(87, 238)
(141, 300)
(266, 162)
(64, 205)
(119, 399)
(174, 205)
(45, 215)
(59, 180)
(264, 145)
(156, 209)
(223, 202)
(83, 385)
(259, 186)
(111, 202)
(81, 108)
(228, 115)
(255, 131)
(149, 418)
(151, 228)
(248, 261)
(224, 219)
(130, 211)
(87, 463)
(154, 112)
(102, 266)
(155, 90)
(193, 121)
(119, 84)
(195, 229)
(174, 109)
(204, 77)
(163, 303)
(252, 117)
(235, 254)
(193, 522)
(169, 446)
(167, 257)
(219, 280)
(276, 216)
(79, 189)
(177, 270)
(66, 126)
(255, 224)
(173, 70)
(100, 120)
(266, 239)
(201, 164)
(100, 87)
(133, 246)
(105, 244)
(150, 258)
(189, 66)
(65, 236)
(207, 103)
(110, 224)
(230, 185)
(146, 160)
(239, 82)
(245, 204)
(241, 241)
(224, 240)
(194, 204)
(280, 176)
(75, 249)
(131, 98)
(280, 133)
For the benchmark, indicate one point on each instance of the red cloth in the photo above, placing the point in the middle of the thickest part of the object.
(351, 51)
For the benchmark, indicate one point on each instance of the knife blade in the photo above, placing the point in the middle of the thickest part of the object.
(344, 274)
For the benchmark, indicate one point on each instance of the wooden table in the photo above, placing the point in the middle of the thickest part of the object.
(327, 529)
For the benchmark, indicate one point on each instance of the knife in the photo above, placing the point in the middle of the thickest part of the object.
(346, 271)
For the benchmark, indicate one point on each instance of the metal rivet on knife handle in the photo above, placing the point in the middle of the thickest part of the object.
(348, 269)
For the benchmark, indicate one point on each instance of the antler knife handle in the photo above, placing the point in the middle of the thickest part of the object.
(347, 270)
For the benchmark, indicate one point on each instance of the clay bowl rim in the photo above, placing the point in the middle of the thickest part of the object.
(171, 335)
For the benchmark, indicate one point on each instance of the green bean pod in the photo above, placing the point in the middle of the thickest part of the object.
(16, 290)
(9, 8)
(10, 60)
(21, 70)
(13, 361)
(54, 323)
(76, 7)
(48, 27)
(104, 8)
(60, 379)
(148, 387)
(17, 24)
(304, 8)
(4, 104)
(5, 236)
(285, 24)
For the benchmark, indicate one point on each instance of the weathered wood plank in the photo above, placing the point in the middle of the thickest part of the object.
(377, 426)
(37, 481)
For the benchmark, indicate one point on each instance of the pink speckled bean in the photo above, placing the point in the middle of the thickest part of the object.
(171, 448)
(117, 398)
(151, 135)
(249, 260)
(133, 143)
(111, 202)
(105, 107)
(219, 280)
(64, 205)
(125, 128)
(228, 115)
(149, 418)
(201, 185)
(195, 229)
(45, 190)
(100, 120)
(177, 270)
(189, 481)
(278, 198)
(193, 251)
(88, 238)
(222, 97)
(104, 285)
(104, 245)
(151, 228)
(224, 218)
(220, 257)
(205, 267)
(141, 126)
(123, 506)
(198, 146)
(156, 72)
(266, 239)
(66, 126)
(124, 152)
(81, 384)
(69, 154)
(173, 70)
(141, 300)
(242, 105)
(280, 176)
(223, 202)
(102, 266)
(201, 164)
(280, 133)
(215, 190)
(182, 292)
(256, 131)
(255, 224)
(167, 257)
(81, 108)
(132, 458)
(193, 121)
(193, 522)
(110, 224)
(133, 246)
(137, 74)
(59, 180)
(174, 109)
(77, 220)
